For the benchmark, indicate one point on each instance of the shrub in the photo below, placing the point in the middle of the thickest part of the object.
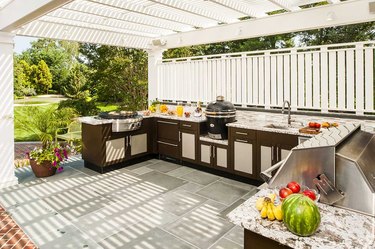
(82, 106)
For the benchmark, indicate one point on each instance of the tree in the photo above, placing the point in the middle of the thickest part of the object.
(22, 82)
(118, 74)
(41, 77)
(60, 56)
(76, 81)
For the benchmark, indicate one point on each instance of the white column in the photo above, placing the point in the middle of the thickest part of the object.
(7, 177)
(153, 78)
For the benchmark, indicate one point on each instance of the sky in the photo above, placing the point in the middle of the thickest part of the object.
(22, 43)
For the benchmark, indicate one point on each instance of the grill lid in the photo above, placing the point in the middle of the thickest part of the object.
(118, 115)
(220, 107)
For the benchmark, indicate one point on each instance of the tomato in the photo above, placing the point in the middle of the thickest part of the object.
(285, 192)
(312, 124)
(317, 125)
(309, 193)
(294, 186)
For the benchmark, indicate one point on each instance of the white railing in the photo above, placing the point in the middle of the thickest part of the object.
(325, 78)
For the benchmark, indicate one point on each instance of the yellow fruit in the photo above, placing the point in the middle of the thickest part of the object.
(263, 212)
(272, 197)
(325, 125)
(270, 214)
(278, 212)
(259, 203)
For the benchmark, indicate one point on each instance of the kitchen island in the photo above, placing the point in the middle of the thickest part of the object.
(339, 229)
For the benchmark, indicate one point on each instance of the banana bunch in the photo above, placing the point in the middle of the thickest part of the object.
(267, 208)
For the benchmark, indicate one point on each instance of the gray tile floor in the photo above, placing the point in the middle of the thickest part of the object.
(153, 204)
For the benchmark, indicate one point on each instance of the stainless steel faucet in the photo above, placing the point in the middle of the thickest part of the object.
(282, 111)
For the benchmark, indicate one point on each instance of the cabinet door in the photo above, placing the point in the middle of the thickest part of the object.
(266, 157)
(221, 157)
(138, 144)
(284, 154)
(243, 157)
(205, 155)
(188, 146)
(115, 150)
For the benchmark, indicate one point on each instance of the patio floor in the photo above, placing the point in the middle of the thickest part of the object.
(153, 204)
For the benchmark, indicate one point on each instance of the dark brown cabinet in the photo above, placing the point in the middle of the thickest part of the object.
(214, 155)
(168, 138)
(242, 144)
(274, 147)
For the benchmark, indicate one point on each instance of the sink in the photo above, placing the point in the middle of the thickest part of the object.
(283, 127)
(276, 126)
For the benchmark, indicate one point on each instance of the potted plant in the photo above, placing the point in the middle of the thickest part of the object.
(46, 160)
(42, 124)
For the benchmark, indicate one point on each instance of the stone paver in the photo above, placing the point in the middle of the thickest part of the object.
(153, 204)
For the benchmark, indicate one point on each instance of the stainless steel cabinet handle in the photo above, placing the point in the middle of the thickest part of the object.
(165, 122)
(213, 151)
(186, 125)
(241, 133)
(130, 141)
(161, 142)
(210, 151)
(241, 141)
(272, 152)
(179, 136)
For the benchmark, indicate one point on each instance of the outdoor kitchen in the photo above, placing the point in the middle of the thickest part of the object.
(269, 147)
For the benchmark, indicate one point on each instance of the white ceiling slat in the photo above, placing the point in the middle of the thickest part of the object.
(285, 5)
(193, 9)
(333, 1)
(161, 13)
(121, 14)
(85, 35)
(239, 6)
(84, 24)
(4, 3)
(89, 18)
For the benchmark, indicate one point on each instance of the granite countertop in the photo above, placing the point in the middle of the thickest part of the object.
(339, 228)
(257, 121)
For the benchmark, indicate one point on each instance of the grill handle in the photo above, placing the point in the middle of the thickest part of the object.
(267, 174)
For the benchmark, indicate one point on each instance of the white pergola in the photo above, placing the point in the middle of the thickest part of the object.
(153, 25)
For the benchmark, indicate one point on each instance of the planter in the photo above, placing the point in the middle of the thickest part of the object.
(45, 169)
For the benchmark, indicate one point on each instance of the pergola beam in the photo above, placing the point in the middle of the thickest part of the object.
(20, 12)
(305, 19)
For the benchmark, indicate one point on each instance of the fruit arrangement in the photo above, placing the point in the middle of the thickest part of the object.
(267, 208)
(294, 188)
(329, 125)
(163, 108)
(187, 114)
(152, 108)
(314, 125)
(301, 215)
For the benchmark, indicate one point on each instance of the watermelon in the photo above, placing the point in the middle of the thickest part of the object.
(301, 215)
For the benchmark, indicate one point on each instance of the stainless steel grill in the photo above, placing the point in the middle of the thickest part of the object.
(346, 155)
(123, 121)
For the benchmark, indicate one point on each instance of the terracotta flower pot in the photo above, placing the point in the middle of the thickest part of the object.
(44, 169)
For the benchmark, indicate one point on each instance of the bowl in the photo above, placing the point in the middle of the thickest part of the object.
(303, 188)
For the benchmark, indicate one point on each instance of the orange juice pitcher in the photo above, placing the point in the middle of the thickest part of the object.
(179, 110)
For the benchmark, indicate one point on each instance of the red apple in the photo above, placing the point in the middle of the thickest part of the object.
(285, 192)
(309, 193)
(294, 186)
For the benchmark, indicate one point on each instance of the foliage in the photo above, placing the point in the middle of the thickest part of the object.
(22, 83)
(118, 74)
(41, 77)
(60, 56)
(75, 83)
(83, 106)
(44, 122)
(51, 152)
